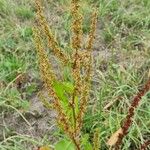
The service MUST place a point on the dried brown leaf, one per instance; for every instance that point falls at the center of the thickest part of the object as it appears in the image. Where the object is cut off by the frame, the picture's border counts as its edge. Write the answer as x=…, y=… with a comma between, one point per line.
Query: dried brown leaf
x=114, y=138
x=44, y=148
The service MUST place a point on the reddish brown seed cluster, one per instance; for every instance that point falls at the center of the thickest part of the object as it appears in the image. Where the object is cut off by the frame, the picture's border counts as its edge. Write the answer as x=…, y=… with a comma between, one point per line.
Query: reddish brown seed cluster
x=145, y=145
x=128, y=121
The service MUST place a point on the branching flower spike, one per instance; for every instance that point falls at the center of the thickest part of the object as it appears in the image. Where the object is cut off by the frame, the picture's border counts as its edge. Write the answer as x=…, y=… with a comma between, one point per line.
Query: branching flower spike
x=52, y=43
x=128, y=120
x=70, y=98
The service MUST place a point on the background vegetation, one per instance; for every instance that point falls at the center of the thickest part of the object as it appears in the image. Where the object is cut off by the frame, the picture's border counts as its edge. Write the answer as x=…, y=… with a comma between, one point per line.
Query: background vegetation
x=121, y=53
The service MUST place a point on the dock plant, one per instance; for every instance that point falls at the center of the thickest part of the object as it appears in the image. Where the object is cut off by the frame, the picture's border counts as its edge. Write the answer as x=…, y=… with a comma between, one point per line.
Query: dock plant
x=69, y=98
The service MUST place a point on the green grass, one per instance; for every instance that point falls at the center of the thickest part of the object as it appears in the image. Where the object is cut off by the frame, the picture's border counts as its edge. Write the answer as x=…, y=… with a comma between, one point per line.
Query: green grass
x=20, y=142
x=118, y=85
x=24, y=13
x=121, y=65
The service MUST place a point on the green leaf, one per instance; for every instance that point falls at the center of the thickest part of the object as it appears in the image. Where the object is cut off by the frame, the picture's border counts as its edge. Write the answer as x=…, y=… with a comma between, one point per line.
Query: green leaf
x=88, y=146
x=64, y=145
x=58, y=87
x=60, y=92
x=63, y=89
x=68, y=87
